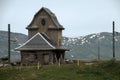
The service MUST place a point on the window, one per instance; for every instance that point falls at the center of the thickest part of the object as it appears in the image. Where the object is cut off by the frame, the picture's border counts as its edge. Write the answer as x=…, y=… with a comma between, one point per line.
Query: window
x=43, y=21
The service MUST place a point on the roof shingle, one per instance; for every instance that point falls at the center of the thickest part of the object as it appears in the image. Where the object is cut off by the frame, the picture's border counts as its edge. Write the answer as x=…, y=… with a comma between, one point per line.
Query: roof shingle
x=37, y=42
x=53, y=17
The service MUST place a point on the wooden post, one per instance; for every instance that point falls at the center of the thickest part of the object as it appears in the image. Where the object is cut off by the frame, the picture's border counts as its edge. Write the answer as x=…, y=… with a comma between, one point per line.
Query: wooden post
x=98, y=50
x=78, y=62
x=9, y=43
x=62, y=58
x=56, y=59
x=59, y=62
x=113, y=40
x=38, y=65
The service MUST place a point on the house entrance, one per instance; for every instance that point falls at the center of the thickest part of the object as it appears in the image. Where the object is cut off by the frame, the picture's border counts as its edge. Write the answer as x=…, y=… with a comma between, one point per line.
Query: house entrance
x=46, y=58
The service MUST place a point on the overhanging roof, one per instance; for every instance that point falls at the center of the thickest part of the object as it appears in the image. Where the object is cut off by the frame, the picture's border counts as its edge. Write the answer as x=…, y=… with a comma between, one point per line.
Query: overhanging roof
x=37, y=42
x=40, y=41
x=51, y=14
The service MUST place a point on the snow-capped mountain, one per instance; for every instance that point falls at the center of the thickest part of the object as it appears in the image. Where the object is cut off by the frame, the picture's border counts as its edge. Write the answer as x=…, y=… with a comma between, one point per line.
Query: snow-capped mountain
x=89, y=46
x=85, y=47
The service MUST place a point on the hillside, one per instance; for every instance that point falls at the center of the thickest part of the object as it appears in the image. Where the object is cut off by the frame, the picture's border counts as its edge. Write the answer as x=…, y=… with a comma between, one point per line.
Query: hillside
x=85, y=47
x=99, y=71
x=16, y=40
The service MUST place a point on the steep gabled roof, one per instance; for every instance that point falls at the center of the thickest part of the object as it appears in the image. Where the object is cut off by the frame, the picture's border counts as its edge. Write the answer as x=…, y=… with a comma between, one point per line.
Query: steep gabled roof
x=38, y=42
x=52, y=15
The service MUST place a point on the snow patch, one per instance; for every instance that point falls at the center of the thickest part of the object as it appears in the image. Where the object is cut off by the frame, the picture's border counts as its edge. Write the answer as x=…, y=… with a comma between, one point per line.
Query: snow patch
x=92, y=36
x=102, y=37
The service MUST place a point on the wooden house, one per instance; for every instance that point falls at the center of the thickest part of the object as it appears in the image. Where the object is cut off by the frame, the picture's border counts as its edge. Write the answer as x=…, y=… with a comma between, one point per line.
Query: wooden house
x=44, y=40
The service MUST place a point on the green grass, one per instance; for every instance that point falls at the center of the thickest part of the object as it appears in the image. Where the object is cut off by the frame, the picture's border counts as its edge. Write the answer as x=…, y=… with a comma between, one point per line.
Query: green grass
x=99, y=71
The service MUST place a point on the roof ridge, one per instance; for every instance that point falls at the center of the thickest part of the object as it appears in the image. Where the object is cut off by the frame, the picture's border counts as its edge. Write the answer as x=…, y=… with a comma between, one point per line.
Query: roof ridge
x=49, y=39
x=40, y=34
x=26, y=41
x=46, y=41
x=52, y=15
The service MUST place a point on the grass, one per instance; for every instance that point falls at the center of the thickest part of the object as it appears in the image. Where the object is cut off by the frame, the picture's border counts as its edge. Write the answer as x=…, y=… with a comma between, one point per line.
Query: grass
x=99, y=71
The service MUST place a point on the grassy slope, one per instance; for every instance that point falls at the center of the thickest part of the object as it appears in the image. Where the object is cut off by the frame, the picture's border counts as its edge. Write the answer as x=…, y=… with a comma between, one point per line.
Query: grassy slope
x=104, y=71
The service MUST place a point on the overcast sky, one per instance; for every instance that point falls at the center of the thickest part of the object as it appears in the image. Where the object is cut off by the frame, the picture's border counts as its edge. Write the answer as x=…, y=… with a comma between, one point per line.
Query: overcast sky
x=79, y=17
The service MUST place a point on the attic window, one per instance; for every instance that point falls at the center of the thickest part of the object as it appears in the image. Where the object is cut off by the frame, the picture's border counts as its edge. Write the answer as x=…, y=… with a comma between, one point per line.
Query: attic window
x=43, y=21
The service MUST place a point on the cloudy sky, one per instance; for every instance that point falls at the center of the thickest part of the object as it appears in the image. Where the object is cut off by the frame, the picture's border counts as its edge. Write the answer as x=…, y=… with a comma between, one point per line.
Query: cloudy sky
x=79, y=17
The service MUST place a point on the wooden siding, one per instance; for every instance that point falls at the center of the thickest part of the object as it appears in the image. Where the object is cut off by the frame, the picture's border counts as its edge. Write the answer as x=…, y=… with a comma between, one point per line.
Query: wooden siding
x=53, y=34
x=53, y=30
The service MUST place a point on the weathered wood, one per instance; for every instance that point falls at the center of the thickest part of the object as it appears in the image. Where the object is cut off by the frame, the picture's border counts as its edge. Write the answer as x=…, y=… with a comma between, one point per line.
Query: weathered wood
x=113, y=40
x=9, y=43
x=45, y=23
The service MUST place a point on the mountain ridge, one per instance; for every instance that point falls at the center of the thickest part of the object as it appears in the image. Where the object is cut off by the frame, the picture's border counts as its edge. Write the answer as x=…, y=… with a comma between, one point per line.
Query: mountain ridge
x=87, y=46
x=83, y=47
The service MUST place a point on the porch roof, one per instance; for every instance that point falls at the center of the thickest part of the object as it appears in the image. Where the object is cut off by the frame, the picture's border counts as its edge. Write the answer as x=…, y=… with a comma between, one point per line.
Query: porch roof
x=40, y=41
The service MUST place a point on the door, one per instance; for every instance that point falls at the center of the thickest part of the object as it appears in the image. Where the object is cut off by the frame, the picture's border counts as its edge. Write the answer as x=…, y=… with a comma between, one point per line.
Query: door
x=46, y=58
